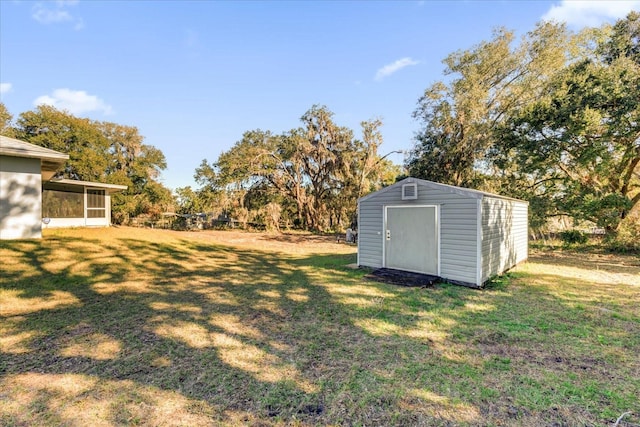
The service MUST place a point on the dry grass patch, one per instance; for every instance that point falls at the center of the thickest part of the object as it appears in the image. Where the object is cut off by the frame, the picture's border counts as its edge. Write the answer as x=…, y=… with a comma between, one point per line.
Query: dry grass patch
x=151, y=327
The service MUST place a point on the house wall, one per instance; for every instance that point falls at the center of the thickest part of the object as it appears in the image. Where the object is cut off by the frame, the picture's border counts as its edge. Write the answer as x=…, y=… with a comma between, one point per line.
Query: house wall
x=504, y=235
x=77, y=222
x=20, y=198
x=458, y=229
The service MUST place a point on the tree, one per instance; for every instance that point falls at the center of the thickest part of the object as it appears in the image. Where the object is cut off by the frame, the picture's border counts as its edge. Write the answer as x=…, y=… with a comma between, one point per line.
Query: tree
x=314, y=172
x=102, y=151
x=553, y=120
x=325, y=149
x=624, y=41
x=5, y=121
x=80, y=138
x=492, y=80
x=584, y=133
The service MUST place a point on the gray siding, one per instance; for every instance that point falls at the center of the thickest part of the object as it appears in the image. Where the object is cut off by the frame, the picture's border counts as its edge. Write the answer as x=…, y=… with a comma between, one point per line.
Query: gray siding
x=504, y=235
x=458, y=229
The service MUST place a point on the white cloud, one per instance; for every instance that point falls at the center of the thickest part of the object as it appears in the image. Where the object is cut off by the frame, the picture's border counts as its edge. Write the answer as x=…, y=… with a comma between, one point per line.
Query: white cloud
x=56, y=13
x=74, y=101
x=5, y=87
x=394, y=67
x=590, y=13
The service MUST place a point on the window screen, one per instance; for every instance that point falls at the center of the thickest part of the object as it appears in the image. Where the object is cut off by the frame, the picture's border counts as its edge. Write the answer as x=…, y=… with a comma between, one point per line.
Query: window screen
x=96, y=204
x=63, y=203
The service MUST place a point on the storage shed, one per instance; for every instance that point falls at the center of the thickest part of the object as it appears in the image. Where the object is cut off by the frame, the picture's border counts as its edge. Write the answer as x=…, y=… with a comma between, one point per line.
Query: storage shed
x=461, y=235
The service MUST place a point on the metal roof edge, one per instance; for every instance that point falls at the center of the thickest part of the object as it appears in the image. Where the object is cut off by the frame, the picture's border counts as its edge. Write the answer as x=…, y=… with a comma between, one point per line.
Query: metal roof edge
x=382, y=190
x=469, y=192
x=88, y=184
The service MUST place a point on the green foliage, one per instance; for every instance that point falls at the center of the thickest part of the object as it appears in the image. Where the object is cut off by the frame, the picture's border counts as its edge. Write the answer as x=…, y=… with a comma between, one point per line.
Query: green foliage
x=189, y=201
x=573, y=237
x=5, y=121
x=585, y=133
x=627, y=237
x=554, y=120
x=490, y=81
x=315, y=173
x=625, y=40
x=103, y=152
x=80, y=138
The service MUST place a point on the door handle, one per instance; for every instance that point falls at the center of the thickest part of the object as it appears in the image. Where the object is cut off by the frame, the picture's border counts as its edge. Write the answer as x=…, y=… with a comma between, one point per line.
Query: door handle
x=388, y=234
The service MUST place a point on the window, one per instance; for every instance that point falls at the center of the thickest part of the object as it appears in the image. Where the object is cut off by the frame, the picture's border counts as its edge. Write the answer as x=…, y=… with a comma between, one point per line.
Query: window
x=96, y=204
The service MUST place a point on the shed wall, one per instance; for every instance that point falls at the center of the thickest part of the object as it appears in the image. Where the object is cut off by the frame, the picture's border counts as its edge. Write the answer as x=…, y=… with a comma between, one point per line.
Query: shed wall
x=521, y=230
x=20, y=198
x=458, y=229
x=504, y=235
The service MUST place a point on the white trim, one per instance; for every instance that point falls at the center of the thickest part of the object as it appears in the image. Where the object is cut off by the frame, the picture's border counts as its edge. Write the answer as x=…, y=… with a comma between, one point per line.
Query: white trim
x=479, y=257
x=384, y=233
x=358, y=234
x=527, y=253
x=91, y=221
x=438, y=236
x=384, y=236
x=89, y=184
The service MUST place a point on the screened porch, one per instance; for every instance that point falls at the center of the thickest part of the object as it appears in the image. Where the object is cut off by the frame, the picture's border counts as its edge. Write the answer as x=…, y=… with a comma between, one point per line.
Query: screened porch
x=69, y=203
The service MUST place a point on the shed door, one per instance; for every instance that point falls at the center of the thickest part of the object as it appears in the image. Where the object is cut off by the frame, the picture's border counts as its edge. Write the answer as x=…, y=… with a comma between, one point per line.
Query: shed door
x=411, y=238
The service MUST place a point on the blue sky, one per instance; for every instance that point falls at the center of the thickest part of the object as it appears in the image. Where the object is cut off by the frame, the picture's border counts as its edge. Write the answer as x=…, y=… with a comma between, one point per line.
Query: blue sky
x=193, y=76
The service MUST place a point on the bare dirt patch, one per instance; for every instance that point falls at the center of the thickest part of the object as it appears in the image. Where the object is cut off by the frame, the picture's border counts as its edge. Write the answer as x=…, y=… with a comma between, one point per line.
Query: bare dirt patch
x=303, y=243
x=609, y=262
x=605, y=268
x=286, y=242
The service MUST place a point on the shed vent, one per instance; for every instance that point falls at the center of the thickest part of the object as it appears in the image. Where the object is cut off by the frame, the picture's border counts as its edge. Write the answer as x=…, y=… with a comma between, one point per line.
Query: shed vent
x=410, y=191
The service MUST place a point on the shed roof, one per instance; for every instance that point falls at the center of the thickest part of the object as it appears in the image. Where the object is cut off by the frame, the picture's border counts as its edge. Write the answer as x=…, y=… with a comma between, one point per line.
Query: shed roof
x=466, y=192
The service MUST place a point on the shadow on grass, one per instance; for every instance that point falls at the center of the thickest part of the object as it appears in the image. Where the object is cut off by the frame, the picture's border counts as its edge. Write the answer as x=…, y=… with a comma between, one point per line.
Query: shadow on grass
x=127, y=331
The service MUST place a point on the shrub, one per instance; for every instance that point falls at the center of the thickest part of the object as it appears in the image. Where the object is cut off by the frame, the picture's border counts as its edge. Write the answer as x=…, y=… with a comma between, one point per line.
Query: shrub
x=572, y=237
x=627, y=239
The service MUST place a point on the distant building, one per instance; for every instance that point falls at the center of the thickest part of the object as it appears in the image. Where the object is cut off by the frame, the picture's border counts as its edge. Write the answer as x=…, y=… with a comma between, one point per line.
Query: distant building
x=30, y=199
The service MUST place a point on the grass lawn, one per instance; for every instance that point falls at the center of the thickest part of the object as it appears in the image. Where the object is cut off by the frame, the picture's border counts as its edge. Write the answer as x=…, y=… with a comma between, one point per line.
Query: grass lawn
x=127, y=326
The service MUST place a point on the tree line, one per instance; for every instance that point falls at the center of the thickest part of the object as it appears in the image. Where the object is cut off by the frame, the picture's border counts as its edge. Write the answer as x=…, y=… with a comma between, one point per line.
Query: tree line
x=309, y=177
x=551, y=117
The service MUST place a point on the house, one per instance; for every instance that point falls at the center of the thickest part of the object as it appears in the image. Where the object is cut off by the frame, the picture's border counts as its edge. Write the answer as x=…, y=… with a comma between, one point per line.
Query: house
x=461, y=235
x=30, y=199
